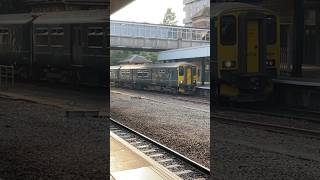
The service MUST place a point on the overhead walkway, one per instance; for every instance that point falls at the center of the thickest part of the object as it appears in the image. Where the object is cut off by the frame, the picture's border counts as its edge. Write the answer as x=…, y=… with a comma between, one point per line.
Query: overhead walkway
x=155, y=37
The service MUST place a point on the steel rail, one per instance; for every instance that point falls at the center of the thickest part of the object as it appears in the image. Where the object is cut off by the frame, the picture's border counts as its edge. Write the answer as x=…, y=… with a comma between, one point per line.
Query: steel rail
x=188, y=161
x=269, y=126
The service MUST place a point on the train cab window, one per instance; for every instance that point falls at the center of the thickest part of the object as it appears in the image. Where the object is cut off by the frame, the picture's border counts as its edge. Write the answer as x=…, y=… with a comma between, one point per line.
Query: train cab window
x=228, y=30
x=95, y=37
x=181, y=71
x=194, y=71
x=271, y=30
x=57, y=37
x=162, y=71
x=42, y=37
x=4, y=36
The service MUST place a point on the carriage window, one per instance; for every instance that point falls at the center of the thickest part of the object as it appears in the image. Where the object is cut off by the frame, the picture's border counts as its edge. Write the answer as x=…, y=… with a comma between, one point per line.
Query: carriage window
x=271, y=30
x=4, y=36
x=42, y=37
x=181, y=71
x=228, y=30
x=139, y=73
x=146, y=73
x=95, y=37
x=57, y=36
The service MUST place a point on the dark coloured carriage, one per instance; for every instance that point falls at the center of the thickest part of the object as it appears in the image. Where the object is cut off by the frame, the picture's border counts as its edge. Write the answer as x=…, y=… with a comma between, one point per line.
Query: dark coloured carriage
x=65, y=46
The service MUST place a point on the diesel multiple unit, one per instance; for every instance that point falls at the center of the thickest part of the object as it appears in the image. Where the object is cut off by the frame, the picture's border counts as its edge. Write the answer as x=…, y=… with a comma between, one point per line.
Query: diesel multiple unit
x=245, y=51
x=66, y=46
x=178, y=77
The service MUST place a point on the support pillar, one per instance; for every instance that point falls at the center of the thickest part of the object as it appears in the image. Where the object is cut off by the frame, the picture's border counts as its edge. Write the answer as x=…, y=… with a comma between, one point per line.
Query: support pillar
x=203, y=71
x=298, y=38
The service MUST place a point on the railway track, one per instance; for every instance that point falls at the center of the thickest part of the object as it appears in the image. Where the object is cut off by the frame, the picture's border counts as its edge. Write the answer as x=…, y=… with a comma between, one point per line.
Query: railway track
x=170, y=159
x=266, y=126
x=288, y=113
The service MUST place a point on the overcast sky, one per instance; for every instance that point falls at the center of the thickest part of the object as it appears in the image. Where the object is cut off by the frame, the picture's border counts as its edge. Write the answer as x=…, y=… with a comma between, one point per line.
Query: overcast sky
x=150, y=11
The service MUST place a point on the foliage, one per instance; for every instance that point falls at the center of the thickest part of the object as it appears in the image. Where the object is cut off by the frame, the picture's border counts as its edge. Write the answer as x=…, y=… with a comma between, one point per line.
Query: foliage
x=120, y=55
x=169, y=18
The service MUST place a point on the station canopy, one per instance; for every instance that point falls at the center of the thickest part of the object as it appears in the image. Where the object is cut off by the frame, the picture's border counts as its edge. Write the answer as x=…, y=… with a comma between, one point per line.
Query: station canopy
x=185, y=53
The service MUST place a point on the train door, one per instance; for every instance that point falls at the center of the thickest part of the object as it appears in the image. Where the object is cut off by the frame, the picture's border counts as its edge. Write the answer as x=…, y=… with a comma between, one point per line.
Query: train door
x=252, y=43
x=77, y=45
x=188, y=75
x=253, y=46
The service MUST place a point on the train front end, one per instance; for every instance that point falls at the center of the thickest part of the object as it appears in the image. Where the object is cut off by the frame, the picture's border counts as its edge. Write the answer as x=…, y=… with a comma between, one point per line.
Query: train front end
x=187, y=79
x=246, y=52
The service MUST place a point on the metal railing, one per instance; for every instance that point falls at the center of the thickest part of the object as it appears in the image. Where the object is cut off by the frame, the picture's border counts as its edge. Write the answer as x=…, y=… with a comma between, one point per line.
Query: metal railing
x=285, y=64
x=6, y=77
x=144, y=30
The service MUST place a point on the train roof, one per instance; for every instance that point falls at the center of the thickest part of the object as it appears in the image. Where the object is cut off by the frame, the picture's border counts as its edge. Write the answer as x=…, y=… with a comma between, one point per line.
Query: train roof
x=220, y=8
x=148, y=66
x=15, y=18
x=115, y=67
x=73, y=17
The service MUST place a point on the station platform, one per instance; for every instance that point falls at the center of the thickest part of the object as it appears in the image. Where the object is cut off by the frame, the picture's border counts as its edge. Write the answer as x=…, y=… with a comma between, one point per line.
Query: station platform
x=300, y=92
x=203, y=90
x=127, y=162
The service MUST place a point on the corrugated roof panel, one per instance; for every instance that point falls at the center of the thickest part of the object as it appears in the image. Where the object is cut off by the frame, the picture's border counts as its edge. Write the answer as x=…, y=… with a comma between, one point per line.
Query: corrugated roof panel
x=72, y=17
x=185, y=53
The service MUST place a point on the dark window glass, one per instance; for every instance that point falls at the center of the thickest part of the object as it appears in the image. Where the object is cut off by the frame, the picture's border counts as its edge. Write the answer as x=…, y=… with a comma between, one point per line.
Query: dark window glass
x=181, y=71
x=42, y=37
x=194, y=71
x=4, y=36
x=57, y=36
x=271, y=30
x=95, y=37
x=228, y=30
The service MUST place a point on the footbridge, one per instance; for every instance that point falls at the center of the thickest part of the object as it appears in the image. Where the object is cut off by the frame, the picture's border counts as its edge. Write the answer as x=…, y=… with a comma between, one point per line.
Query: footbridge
x=155, y=37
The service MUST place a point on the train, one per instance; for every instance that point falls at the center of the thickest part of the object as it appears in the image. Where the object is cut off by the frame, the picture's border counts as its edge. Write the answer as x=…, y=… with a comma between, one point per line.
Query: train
x=245, y=51
x=69, y=46
x=179, y=77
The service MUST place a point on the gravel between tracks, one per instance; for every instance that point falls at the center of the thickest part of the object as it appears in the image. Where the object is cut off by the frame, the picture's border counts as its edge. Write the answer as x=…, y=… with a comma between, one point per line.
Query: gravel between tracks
x=185, y=130
x=249, y=153
x=39, y=142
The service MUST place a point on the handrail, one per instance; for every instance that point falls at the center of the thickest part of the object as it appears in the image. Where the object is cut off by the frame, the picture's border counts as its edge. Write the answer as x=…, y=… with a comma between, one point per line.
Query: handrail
x=144, y=30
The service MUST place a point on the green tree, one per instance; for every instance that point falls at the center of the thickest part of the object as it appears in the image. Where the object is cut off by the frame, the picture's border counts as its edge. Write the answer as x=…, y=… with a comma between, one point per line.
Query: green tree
x=169, y=18
x=120, y=55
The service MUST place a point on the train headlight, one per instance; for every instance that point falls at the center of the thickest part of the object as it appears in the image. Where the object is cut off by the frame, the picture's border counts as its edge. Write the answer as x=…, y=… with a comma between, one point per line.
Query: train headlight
x=181, y=82
x=271, y=62
x=229, y=64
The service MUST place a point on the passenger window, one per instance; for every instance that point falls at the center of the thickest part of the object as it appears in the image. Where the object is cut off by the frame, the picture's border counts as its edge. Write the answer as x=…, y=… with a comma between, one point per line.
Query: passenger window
x=271, y=30
x=4, y=36
x=181, y=71
x=42, y=37
x=57, y=36
x=95, y=37
x=146, y=73
x=228, y=30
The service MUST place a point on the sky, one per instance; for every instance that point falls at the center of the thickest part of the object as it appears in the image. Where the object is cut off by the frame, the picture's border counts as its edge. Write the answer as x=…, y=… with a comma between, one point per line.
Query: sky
x=150, y=11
